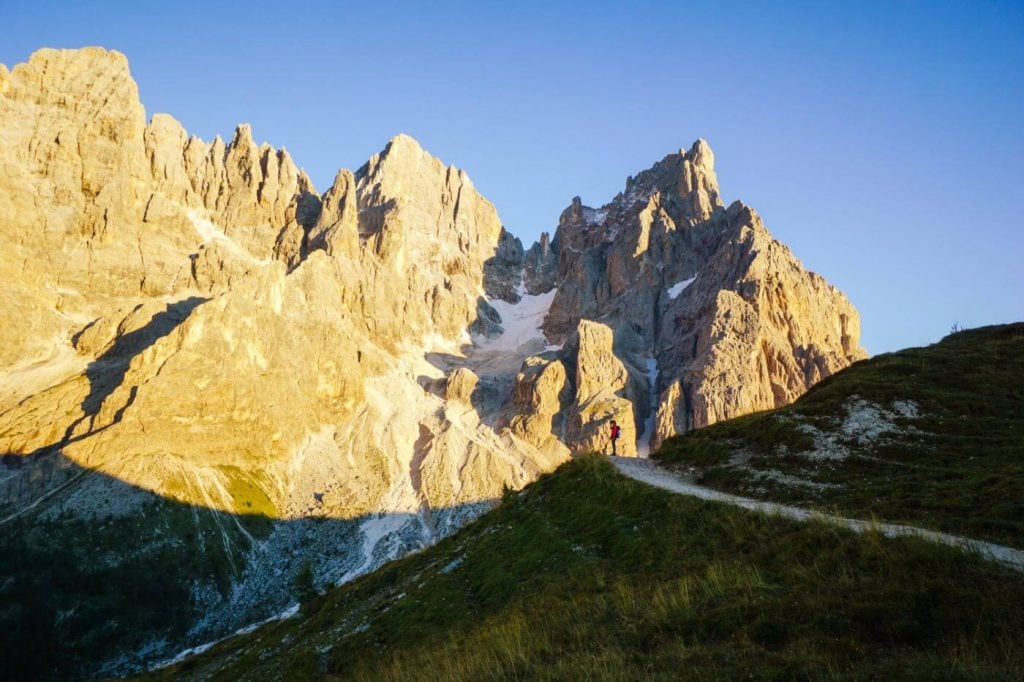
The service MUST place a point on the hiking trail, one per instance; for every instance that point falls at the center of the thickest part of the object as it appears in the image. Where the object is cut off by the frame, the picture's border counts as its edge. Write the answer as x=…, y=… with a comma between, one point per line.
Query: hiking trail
x=647, y=471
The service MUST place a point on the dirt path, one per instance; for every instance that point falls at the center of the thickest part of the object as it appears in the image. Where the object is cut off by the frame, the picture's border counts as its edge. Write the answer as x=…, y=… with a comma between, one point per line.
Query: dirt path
x=646, y=471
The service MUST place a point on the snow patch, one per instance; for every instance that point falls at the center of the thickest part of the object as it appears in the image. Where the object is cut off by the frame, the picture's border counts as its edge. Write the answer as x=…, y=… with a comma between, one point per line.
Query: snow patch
x=678, y=287
x=594, y=216
x=521, y=321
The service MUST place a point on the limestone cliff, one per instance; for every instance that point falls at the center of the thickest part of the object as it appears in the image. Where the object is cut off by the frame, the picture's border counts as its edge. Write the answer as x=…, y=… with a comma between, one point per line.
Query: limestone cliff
x=192, y=331
x=194, y=320
x=714, y=316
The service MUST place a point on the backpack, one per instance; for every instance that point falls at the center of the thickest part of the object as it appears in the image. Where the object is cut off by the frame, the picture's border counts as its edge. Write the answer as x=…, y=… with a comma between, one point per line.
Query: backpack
x=615, y=432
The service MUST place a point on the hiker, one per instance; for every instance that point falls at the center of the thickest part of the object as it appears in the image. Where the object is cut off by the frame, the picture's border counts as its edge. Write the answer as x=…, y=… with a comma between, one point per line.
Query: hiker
x=615, y=435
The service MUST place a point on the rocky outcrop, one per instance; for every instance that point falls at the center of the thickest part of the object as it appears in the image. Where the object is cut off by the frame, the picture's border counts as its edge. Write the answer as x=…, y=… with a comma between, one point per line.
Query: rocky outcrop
x=604, y=393
x=503, y=273
x=99, y=209
x=193, y=323
x=540, y=400
x=336, y=229
x=461, y=384
x=618, y=257
x=253, y=192
x=426, y=237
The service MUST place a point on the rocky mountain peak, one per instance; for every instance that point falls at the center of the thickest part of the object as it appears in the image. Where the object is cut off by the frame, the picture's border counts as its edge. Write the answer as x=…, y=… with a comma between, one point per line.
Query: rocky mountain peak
x=242, y=139
x=402, y=144
x=85, y=60
x=403, y=156
x=687, y=284
x=686, y=179
x=701, y=154
x=52, y=75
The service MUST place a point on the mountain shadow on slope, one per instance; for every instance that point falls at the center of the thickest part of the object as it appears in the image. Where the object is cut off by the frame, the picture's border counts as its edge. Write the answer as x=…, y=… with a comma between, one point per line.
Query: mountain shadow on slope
x=104, y=578
x=107, y=371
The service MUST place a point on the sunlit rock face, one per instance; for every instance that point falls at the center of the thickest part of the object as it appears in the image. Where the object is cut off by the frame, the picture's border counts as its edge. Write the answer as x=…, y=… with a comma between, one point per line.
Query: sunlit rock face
x=338, y=378
x=714, y=317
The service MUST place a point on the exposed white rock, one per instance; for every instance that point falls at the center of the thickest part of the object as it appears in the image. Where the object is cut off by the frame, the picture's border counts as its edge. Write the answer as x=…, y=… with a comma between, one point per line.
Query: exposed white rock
x=865, y=422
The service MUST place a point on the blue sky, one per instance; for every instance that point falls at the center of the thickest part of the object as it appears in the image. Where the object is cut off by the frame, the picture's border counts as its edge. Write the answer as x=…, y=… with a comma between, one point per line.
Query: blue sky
x=883, y=142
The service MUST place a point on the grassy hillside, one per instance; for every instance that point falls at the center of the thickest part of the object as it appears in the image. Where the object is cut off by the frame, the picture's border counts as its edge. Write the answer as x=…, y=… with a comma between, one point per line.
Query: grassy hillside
x=929, y=436
x=589, y=575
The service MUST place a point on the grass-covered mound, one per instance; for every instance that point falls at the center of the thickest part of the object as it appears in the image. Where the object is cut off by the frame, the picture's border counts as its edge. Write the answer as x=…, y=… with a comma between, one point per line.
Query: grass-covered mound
x=929, y=436
x=590, y=575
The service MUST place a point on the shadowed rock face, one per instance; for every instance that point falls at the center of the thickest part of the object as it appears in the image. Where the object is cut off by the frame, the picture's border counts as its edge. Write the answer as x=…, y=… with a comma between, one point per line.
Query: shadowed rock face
x=197, y=322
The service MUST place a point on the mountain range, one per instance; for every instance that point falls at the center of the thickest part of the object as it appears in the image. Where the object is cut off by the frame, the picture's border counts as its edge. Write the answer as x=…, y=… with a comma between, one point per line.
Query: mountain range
x=215, y=379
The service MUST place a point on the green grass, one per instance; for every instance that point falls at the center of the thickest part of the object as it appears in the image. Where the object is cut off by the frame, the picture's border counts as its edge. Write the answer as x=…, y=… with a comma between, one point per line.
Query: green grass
x=589, y=575
x=959, y=467
x=248, y=491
